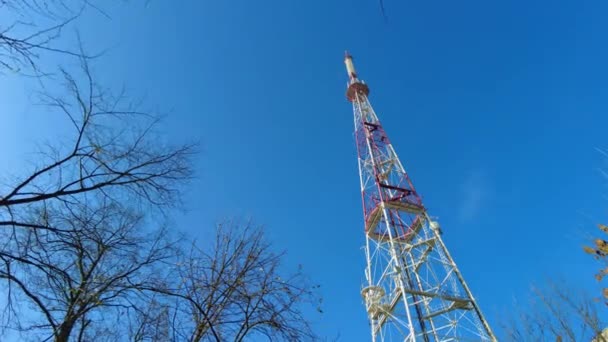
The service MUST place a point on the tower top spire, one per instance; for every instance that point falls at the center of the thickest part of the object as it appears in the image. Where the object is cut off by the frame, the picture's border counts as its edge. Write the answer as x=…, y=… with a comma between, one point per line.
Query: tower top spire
x=350, y=66
x=355, y=86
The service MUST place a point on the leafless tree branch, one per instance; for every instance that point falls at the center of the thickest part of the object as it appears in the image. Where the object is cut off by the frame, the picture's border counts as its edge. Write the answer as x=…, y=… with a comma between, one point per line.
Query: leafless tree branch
x=112, y=151
x=99, y=263
x=556, y=313
x=236, y=289
x=37, y=28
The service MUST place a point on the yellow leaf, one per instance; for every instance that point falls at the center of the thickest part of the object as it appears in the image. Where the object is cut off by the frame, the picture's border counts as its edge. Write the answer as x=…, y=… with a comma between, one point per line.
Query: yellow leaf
x=605, y=292
x=589, y=250
x=603, y=227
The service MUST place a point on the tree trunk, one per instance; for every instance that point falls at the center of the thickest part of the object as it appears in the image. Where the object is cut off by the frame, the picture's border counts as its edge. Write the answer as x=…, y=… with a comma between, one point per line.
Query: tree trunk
x=64, y=331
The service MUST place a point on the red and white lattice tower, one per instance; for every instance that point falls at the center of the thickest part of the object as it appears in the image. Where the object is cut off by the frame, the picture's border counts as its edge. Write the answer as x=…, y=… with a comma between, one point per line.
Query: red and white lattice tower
x=413, y=289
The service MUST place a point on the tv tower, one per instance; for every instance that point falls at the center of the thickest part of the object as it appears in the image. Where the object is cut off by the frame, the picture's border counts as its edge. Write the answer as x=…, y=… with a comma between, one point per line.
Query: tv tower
x=413, y=290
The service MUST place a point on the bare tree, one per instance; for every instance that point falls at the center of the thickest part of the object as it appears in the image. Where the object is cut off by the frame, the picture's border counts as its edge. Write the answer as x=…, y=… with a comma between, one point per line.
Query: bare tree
x=64, y=225
x=236, y=289
x=75, y=247
x=555, y=313
x=112, y=151
x=79, y=279
x=34, y=27
x=79, y=261
x=153, y=321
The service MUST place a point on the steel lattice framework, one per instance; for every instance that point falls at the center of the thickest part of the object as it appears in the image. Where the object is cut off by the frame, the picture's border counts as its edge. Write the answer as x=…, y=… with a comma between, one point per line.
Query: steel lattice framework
x=413, y=289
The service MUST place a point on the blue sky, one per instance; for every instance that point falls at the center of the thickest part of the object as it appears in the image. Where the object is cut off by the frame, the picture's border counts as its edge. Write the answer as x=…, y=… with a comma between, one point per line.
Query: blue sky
x=496, y=110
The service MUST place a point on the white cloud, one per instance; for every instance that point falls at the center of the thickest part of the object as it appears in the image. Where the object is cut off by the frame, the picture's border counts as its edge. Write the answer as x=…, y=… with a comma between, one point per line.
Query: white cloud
x=475, y=191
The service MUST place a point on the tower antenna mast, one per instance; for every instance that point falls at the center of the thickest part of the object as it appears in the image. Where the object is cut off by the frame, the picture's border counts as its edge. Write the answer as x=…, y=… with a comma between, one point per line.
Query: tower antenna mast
x=413, y=290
